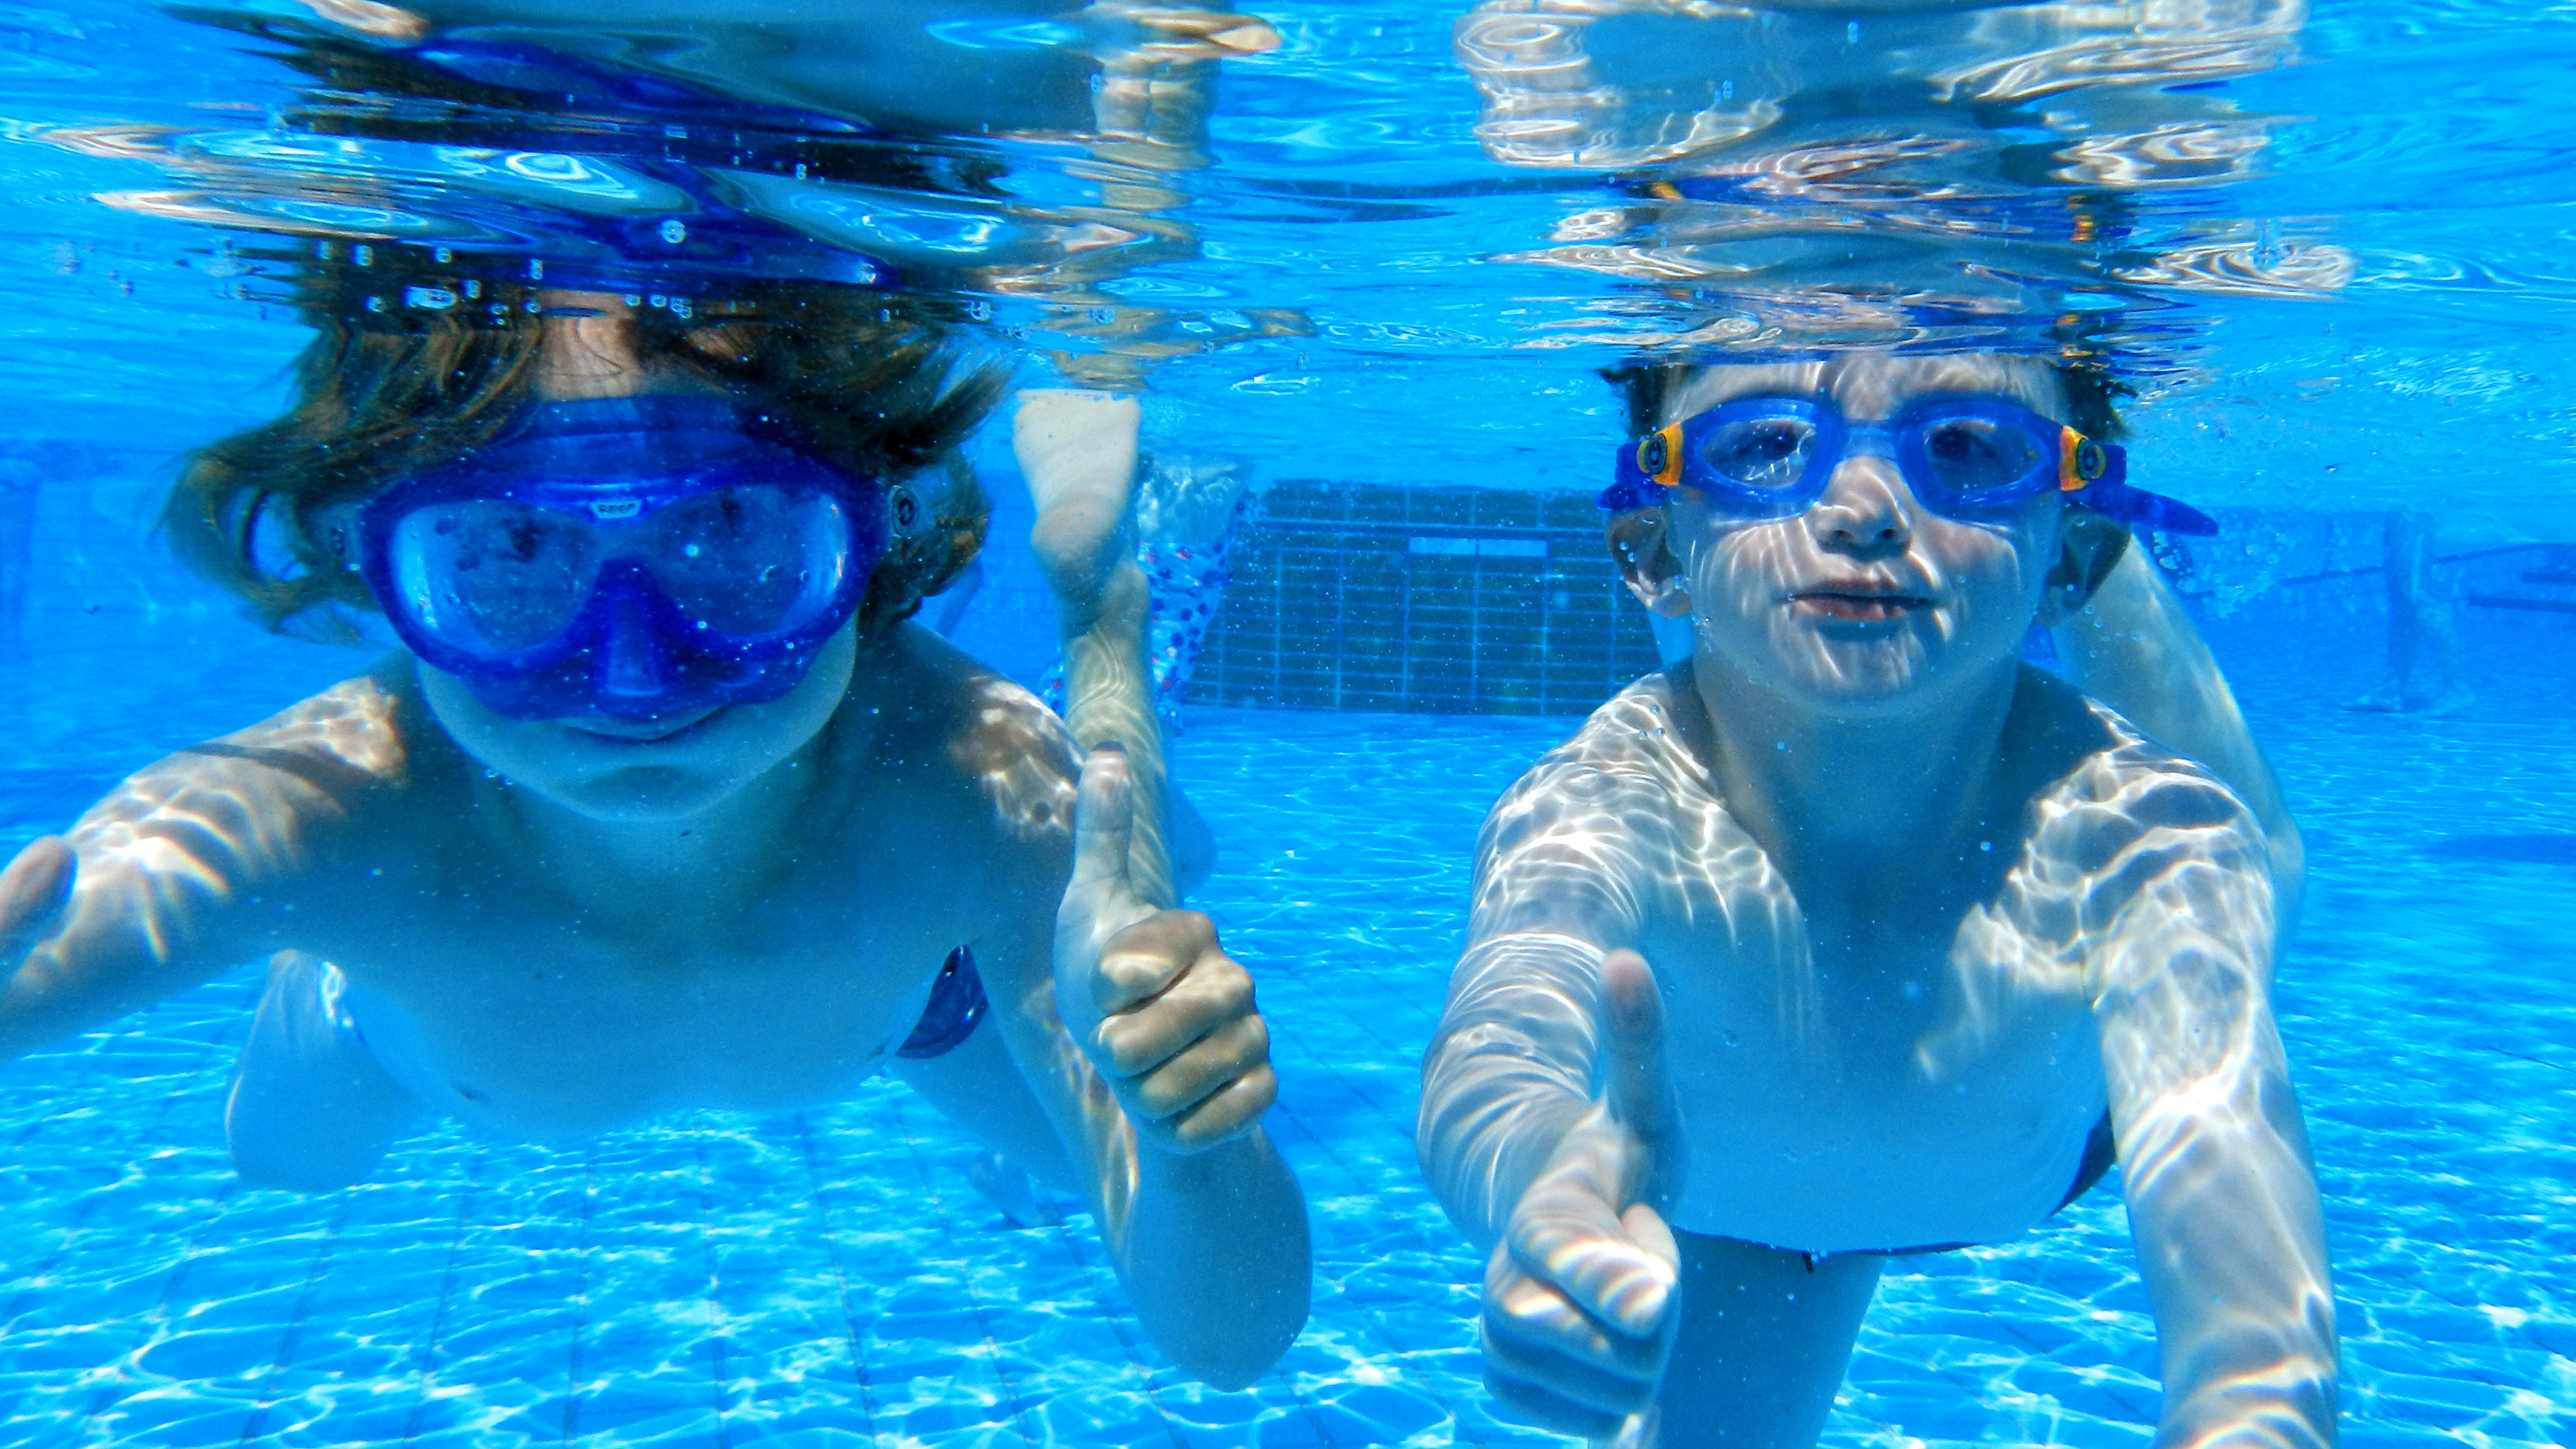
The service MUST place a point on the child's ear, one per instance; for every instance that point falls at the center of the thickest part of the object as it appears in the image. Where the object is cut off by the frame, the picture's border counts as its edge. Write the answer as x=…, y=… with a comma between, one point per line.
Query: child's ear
x=2089, y=546
x=1641, y=545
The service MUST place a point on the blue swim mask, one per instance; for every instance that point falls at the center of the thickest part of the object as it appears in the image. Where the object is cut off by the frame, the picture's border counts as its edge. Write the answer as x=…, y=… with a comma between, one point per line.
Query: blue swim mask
x=1968, y=458
x=631, y=557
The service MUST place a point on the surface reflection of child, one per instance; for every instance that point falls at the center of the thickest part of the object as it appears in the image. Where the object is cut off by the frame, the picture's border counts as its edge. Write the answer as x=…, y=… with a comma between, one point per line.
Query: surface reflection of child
x=667, y=804
x=1931, y=936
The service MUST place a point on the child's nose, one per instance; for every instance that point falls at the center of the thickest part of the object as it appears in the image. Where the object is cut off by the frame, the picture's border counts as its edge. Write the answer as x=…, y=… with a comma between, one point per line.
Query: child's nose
x=633, y=669
x=1865, y=508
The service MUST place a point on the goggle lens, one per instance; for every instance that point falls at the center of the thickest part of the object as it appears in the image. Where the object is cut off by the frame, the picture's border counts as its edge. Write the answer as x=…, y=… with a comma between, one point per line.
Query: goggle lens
x=1768, y=454
x=1971, y=456
x=751, y=561
x=494, y=577
x=491, y=576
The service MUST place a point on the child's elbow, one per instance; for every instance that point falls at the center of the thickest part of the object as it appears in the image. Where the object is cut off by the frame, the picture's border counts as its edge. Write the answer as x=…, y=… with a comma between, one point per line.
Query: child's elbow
x=1235, y=1360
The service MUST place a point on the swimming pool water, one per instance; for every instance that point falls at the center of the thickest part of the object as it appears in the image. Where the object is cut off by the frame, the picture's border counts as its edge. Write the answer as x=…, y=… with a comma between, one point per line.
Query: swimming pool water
x=829, y=1277
x=2371, y=311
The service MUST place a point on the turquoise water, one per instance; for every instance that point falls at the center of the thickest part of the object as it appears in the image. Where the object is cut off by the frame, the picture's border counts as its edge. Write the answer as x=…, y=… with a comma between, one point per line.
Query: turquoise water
x=829, y=1276
x=2365, y=303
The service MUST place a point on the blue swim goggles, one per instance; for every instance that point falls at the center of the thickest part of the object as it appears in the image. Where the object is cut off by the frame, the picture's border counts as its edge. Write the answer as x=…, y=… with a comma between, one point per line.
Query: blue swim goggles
x=1963, y=457
x=629, y=557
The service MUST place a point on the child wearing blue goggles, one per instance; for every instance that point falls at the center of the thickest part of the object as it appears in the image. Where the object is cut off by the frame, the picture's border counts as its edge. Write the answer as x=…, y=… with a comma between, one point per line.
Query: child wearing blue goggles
x=1850, y=934
x=665, y=804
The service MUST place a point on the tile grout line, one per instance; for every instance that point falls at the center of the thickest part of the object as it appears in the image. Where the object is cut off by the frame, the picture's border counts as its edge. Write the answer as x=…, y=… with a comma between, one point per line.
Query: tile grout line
x=162, y=1102
x=437, y=1336
x=581, y=1295
x=821, y=1198
x=1066, y=1239
x=254, y=1423
x=974, y=1302
x=169, y=1292
x=715, y=1339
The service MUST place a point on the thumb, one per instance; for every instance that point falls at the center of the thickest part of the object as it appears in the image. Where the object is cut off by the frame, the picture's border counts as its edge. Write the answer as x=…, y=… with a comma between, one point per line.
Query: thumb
x=33, y=891
x=1639, y=1094
x=1104, y=822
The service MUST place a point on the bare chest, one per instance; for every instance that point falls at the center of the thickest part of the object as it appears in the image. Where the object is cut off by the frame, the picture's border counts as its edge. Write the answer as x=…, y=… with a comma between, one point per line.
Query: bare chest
x=491, y=1001
x=1863, y=1083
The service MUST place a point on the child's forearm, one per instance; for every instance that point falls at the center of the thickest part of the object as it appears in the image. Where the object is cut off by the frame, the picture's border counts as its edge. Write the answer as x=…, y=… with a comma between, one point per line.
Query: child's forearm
x=1508, y=1075
x=2233, y=1243
x=1109, y=698
x=1215, y=1254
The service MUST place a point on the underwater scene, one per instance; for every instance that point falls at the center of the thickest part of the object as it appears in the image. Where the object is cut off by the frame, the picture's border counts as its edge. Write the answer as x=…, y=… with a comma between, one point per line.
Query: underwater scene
x=1506, y=723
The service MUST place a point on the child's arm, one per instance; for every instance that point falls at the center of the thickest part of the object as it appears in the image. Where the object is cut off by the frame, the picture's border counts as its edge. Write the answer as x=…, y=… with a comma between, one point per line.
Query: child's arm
x=2134, y=648
x=1557, y=1177
x=161, y=885
x=2214, y=1156
x=1145, y=1048
x=1078, y=452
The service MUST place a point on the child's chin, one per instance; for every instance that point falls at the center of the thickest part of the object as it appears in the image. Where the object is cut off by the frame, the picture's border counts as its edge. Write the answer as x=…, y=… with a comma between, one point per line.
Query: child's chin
x=1879, y=676
x=640, y=794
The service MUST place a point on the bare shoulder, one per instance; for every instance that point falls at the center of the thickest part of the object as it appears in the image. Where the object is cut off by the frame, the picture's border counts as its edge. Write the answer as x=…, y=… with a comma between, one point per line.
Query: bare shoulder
x=2149, y=853
x=321, y=753
x=1582, y=840
x=2118, y=787
x=1003, y=758
x=1632, y=752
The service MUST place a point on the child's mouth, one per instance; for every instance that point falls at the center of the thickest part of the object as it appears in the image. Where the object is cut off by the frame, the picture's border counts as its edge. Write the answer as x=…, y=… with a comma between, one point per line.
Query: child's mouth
x=641, y=732
x=1862, y=607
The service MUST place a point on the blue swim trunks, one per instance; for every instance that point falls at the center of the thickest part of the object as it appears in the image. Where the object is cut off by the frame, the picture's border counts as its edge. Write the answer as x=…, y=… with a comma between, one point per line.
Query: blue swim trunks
x=957, y=1002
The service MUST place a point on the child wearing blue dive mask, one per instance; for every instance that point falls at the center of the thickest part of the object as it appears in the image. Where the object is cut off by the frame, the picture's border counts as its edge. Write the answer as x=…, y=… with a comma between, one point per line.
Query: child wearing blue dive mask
x=665, y=803
x=1853, y=936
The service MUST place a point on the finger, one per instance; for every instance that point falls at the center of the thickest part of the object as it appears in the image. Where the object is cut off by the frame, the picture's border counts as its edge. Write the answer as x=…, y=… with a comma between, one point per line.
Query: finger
x=1582, y=1248
x=1143, y=961
x=1142, y=1036
x=1542, y=1408
x=1232, y=1112
x=1532, y=1319
x=33, y=892
x=1569, y=1380
x=1104, y=820
x=1638, y=1089
x=1198, y=1073
x=1535, y=1337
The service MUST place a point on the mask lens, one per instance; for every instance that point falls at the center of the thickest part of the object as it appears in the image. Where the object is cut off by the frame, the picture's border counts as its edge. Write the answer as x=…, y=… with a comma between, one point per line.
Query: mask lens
x=1971, y=456
x=753, y=560
x=492, y=576
x=1766, y=453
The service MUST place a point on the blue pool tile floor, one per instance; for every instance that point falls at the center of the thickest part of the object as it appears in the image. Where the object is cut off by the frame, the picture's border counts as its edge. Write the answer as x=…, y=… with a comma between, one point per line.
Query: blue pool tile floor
x=829, y=1278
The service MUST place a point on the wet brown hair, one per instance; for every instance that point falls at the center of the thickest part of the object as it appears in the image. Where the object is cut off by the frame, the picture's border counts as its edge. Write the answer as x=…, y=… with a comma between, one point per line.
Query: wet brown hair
x=871, y=382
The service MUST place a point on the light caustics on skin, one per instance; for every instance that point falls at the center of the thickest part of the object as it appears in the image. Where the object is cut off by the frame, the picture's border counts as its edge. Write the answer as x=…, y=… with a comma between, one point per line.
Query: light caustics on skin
x=2103, y=944
x=2137, y=913
x=173, y=847
x=1021, y=760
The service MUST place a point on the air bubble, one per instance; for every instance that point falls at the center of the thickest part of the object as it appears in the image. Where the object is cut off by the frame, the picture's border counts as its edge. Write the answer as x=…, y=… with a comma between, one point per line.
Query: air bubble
x=675, y=231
